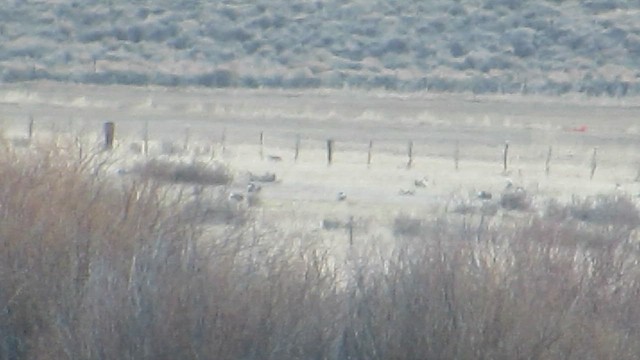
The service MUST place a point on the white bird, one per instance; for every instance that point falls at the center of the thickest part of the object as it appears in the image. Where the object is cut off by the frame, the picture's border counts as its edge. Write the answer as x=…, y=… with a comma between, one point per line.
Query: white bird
x=406, y=192
x=421, y=182
x=252, y=187
x=509, y=184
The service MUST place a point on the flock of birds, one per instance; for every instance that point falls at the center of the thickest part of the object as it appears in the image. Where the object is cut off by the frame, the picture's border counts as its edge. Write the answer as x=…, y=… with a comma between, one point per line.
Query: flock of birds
x=423, y=183
x=253, y=187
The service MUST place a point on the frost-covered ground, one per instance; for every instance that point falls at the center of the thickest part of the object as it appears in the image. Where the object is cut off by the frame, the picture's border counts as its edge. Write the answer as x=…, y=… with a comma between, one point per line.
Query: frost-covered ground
x=200, y=119
x=479, y=46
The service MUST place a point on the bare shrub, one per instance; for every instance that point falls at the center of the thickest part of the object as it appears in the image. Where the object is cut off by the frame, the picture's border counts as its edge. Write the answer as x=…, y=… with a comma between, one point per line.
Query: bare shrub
x=266, y=177
x=483, y=206
x=333, y=224
x=516, y=199
x=182, y=172
x=465, y=208
x=609, y=210
x=407, y=225
x=604, y=220
x=170, y=148
x=489, y=208
x=136, y=148
x=125, y=272
x=522, y=295
x=606, y=210
x=254, y=199
x=89, y=270
x=58, y=223
x=216, y=209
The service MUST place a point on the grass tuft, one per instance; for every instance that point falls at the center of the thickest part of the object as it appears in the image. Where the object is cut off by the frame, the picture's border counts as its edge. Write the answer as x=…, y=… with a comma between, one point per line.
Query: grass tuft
x=181, y=172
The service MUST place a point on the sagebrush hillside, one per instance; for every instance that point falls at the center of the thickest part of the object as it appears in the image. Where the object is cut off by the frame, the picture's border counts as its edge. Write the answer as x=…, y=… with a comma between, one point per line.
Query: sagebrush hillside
x=481, y=46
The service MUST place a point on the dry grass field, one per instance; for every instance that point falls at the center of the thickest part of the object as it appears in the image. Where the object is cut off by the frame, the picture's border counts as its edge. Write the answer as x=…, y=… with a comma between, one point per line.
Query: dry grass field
x=125, y=255
x=191, y=123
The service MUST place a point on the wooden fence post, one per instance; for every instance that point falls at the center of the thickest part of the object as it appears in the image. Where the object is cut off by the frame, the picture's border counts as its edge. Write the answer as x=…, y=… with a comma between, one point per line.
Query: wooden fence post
x=31, y=126
x=456, y=155
x=329, y=151
x=79, y=146
x=109, y=134
x=145, y=138
x=547, y=163
x=261, y=145
x=410, y=154
x=369, y=153
x=505, y=159
x=223, y=140
x=187, y=136
x=350, y=225
x=297, y=150
x=594, y=162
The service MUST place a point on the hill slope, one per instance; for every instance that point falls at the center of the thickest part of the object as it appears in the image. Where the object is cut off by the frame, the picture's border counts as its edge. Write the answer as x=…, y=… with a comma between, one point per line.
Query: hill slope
x=549, y=47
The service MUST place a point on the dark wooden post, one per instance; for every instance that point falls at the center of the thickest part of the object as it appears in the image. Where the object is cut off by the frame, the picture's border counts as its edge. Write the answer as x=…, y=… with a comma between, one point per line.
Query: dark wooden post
x=594, y=162
x=350, y=231
x=505, y=159
x=145, y=138
x=261, y=145
x=410, y=154
x=297, y=150
x=223, y=140
x=456, y=156
x=79, y=146
x=369, y=153
x=109, y=134
x=187, y=136
x=547, y=163
x=31, y=126
x=329, y=151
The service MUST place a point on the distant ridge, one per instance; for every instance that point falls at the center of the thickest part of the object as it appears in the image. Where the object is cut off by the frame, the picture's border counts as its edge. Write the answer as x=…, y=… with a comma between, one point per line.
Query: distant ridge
x=492, y=46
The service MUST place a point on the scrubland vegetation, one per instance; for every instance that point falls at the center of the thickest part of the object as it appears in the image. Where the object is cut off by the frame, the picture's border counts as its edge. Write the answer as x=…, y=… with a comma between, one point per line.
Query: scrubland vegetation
x=159, y=260
x=98, y=265
x=489, y=46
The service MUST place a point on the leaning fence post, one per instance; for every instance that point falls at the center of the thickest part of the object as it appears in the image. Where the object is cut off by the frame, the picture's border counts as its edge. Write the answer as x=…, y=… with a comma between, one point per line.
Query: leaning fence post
x=410, y=154
x=109, y=134
x=329, y=151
